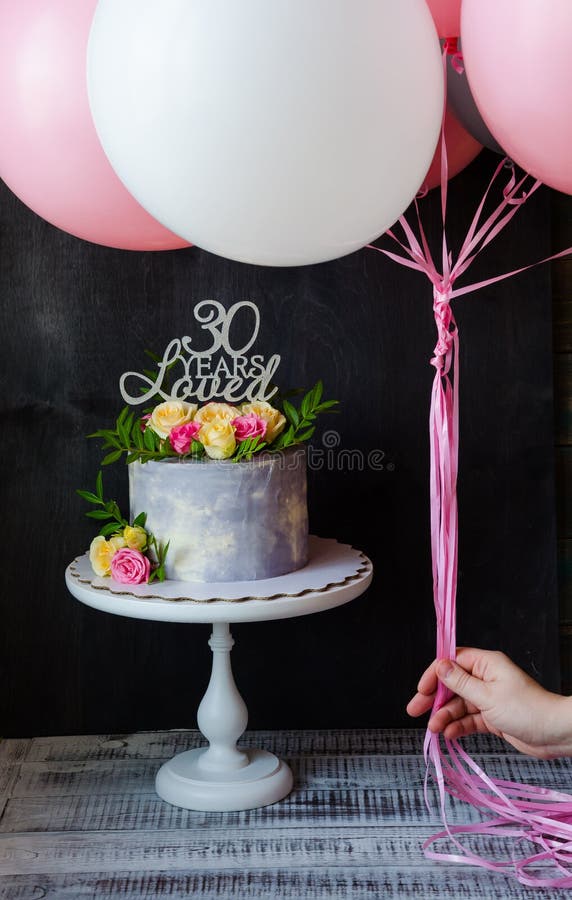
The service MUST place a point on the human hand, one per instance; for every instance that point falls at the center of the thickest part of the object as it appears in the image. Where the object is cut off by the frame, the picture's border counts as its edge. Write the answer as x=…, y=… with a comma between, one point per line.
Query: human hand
x=493, y=695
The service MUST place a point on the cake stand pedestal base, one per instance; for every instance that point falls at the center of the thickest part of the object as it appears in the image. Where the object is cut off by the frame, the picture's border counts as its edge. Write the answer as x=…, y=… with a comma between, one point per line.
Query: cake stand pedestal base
x=264, y=780
x=221, y=777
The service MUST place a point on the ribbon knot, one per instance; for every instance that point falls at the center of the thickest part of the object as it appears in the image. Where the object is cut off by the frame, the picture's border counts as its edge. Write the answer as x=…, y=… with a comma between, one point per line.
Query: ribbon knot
x=451, y=48
x=446, y=329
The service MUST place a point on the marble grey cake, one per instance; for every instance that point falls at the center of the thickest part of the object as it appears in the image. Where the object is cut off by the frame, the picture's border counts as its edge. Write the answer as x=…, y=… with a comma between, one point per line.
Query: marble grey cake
x=226, y=521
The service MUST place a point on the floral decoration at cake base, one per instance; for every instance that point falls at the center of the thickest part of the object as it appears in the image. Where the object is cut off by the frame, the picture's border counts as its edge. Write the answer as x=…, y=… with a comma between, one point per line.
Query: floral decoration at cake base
x=330, y=565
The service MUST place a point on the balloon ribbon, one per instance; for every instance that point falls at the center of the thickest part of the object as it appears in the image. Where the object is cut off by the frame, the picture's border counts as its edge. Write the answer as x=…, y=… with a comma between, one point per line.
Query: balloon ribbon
x=518, y=812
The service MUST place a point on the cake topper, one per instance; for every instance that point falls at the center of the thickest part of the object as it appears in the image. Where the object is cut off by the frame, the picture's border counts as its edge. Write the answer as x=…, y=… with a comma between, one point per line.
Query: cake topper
x=217, y=371
x=208, y=398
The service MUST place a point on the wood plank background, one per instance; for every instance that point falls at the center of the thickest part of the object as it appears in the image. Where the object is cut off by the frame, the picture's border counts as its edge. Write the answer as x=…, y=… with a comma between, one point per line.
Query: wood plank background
x=562, y=312
x=75, y=316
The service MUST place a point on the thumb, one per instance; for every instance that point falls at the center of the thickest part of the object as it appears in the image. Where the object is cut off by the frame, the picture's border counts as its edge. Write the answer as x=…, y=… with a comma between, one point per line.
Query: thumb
x=460, y=682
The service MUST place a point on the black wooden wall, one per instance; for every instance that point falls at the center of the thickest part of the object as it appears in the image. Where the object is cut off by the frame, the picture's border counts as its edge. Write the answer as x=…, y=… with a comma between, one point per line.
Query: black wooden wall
x=74, y=316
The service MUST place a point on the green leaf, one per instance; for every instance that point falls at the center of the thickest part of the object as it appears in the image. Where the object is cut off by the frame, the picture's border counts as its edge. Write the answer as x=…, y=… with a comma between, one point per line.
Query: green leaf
x=129, y=426
x=285, y=439
x=306, y=405
x=165, y=450
x=115, y=511
x=137, y=435
x=99, y=485
x=91, y=498
x=152, y=356
x=158, y=572
x=98, y=514
x=111, y=440
x=149, y=439
x=111, y=457
x=306, y=435
x=256, y=447
x=123, y=415
x=291, y=413
x=140, y=520
x=123, y=433
x=328, y=404
x=132, y=457
x=97, y=434
x=109, y=529
x=317, y=392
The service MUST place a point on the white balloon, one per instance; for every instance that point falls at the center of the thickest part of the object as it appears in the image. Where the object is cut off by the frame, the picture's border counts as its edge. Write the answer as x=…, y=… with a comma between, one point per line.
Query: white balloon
x=277, y=132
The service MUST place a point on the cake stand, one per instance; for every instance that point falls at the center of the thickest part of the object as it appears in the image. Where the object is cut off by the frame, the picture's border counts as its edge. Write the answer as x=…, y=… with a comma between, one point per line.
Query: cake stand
x=221, y=776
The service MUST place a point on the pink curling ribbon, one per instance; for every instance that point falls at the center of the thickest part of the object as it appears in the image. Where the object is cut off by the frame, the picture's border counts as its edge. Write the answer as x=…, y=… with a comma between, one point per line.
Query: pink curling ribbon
x=535, y=821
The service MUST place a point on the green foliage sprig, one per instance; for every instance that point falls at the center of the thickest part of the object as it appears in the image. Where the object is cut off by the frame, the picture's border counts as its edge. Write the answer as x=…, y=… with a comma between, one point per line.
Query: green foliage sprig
x=136, y=443
x=160, y=553
x=115, y=525
x=133, y=440
x=246, y=449
x=109, y=511
x=301, y=419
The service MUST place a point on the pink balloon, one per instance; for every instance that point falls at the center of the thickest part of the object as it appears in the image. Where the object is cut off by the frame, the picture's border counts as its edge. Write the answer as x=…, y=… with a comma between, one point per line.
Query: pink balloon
x=447, y=15
x=462, y=148
x=518, y=59
x=50, y=155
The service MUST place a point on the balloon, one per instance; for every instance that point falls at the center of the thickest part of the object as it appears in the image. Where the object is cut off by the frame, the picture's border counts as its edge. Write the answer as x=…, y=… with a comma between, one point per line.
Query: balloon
x=462, y=149
x=279, y=133
x=520, y=73
x=462, y=103
x=50, y=155
x=447, y=16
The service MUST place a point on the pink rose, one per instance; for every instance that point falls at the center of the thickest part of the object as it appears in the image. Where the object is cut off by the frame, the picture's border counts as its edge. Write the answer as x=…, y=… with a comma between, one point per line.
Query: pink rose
x=144, y=420
x=130, y=567
x=182, y=436
x=249, y=426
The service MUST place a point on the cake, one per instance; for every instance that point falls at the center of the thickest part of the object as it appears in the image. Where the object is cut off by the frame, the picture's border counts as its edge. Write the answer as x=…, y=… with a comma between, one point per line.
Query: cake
x=217, y=493
x=226, y=521
x=216, y=462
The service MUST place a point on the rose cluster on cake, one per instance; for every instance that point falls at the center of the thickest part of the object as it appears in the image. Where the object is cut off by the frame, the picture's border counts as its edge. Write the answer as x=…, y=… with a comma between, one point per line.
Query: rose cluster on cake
x=219, y=428
x=128, y=553
x=123, y=560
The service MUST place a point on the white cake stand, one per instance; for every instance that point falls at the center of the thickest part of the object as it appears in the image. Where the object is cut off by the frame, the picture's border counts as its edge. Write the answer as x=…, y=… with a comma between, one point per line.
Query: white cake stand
x=222, y=776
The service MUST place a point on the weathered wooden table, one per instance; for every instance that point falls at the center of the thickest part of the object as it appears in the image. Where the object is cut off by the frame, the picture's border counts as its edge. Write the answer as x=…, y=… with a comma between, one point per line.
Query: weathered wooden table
x=79, y=818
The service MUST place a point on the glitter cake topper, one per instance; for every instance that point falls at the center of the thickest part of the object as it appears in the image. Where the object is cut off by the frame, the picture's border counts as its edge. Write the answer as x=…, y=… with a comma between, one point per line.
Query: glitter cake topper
x=217, y=372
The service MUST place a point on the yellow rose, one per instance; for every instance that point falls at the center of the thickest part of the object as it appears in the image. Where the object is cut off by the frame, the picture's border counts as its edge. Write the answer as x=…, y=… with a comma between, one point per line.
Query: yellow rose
x=135, y=537
x=218, y=439
x=101, y=552
x=213, y=411
x=274, y=419
x=169, y=415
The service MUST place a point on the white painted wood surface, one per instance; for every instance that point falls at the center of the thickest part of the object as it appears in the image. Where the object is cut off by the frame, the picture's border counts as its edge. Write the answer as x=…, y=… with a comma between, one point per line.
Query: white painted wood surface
x=79, y=819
